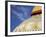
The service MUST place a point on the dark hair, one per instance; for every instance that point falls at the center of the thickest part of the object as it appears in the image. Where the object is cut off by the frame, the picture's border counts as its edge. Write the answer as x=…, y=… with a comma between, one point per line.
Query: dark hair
x=36, y=12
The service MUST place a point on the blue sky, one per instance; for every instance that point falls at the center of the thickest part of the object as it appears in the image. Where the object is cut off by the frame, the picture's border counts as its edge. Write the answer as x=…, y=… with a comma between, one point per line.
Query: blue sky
x=19, y=13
